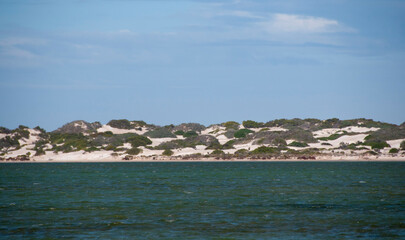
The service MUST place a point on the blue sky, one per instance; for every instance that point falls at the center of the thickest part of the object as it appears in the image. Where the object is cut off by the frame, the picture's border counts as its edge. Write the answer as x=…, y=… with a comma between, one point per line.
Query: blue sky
x=207, y=61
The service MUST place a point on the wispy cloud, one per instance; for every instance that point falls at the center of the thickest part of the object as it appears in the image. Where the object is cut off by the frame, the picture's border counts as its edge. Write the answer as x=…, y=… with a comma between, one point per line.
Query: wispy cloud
x=301, y=24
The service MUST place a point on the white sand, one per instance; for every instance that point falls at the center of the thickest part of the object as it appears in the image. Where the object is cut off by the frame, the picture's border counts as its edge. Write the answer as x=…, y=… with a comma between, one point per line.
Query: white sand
x=329, y=131
x=269, y=129
x=214, y=130
x=158, y=141
x=348, y=139
x=106, y=128
x=395, y=143
x=76, y=156
x=222, y=139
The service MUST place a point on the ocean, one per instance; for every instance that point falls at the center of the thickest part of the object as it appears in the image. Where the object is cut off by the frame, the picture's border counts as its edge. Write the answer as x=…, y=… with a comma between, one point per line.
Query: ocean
x=203, y=200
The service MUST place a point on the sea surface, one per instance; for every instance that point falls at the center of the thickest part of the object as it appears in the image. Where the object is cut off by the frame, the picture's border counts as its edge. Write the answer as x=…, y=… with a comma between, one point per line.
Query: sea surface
x=216, y=200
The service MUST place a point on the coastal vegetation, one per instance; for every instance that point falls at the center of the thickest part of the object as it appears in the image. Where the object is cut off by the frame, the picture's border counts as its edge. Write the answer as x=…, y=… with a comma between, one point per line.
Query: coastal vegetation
x=161, y=132
x=280, y=138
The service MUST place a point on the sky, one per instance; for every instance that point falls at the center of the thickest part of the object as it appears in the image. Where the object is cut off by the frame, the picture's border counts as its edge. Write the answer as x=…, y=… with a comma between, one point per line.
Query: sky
x=174, y=61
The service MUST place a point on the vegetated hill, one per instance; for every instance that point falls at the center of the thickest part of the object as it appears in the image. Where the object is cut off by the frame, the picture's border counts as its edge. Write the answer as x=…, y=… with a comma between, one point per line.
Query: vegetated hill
x=79, y=126
x=390, y=132
x=316, y=124
x=281, y=136
x=126, y=124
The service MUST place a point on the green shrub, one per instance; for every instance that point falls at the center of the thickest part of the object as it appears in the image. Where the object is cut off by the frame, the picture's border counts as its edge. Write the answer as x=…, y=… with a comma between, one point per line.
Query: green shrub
x=376, y=144
x=5, y=130
x=402, y=146
x=22, y=132
x=242, y=133
x=279, y=142
x=228, y=145
x=230, y=133
x=179, y=132
x=252, y=124
x=8, y=141
x=214, y=145
x=167, y=152
x=394, y=150
x=190, y=134
x=161, y=132
x=387, y=133
x=108, y=134
x=110, y=148
x=371, y=153
x=92, y=149
x=185, y=127
x=71, y=142
x=231, y=125
x=265, y=150
x=38, y=128
x=217, y=152
x=333, y=136
x=241, y=152
x=191, y=142
x=298, y=144
x=121, y=149
x=39, y=152
x=121, y=124
x=137, y=141
x=133, y=151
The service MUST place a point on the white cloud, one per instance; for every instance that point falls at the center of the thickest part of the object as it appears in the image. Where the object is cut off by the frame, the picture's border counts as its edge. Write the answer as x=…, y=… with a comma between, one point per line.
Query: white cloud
x=289, y=23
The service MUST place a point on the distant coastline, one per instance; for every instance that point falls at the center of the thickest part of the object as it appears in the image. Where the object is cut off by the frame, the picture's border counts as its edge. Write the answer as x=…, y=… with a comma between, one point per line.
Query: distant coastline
x=276, y=140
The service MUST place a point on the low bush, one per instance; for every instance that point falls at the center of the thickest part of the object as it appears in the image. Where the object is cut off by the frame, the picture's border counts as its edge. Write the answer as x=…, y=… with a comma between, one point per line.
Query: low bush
x=190, y=134
x=133, y=151
x=376, y=144
x=229, y=144
x=191, y=142
x=70, y=142
x=121, y=124
x=179, y=132
x=265, y=150
x=242, y=133
x=185, y=127
x=39, y=152
x=167, y=152
x=110, y=148
x=298, y=144
x=371, y=153
x=214, y=145
x=252, y=124
x=137, y=141
x=231, y=125
x=230, y=133
x=394, y=150
x=92, y=149
x=22, y=132
x=242, y=152
x=333, y=136
x=8, y=142
x=5, y=130
x=161, y=132
x=217, y=152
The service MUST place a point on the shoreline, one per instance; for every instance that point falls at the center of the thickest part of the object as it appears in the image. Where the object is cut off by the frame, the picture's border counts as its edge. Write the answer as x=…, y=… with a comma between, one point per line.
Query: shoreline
x=323, y=159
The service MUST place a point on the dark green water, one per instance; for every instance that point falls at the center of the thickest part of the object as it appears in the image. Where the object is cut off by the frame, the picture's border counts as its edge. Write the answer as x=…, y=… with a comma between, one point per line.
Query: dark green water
x=306, y=200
